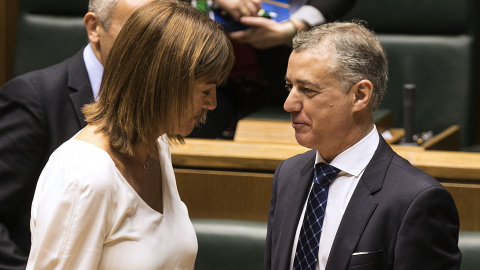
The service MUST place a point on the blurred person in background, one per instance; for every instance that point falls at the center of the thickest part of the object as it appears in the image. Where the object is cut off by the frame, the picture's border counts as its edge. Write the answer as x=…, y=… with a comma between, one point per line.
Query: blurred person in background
x=261, y=57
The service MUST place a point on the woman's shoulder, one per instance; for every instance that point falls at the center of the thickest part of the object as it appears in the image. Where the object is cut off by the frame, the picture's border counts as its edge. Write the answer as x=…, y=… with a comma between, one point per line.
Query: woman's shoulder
x=82, y=164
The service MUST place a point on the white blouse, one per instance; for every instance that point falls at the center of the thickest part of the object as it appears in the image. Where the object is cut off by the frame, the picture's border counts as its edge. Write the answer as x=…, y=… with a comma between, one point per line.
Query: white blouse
x=85, y=215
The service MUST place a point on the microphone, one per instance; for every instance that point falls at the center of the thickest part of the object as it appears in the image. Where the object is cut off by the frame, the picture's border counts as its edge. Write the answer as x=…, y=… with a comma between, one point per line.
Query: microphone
x=409, y=112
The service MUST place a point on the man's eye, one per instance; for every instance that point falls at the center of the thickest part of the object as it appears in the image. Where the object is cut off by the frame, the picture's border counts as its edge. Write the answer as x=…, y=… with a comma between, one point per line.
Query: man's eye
x=288, y=87
x=307, y=90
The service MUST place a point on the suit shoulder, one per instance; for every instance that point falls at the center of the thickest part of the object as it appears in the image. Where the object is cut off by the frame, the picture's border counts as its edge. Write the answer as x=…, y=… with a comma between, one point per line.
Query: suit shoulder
x=43, y=79
x=410, y=173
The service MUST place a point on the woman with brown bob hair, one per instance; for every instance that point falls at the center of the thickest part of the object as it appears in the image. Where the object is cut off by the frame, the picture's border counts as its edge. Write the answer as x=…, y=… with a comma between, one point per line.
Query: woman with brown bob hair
x=107, y=198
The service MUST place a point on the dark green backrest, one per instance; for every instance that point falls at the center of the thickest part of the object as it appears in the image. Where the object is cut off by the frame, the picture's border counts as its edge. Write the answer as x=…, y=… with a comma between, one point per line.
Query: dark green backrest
x=48, y=32
x=469, y=244
x=235, y=244
x=433, y=44
x=229, y=244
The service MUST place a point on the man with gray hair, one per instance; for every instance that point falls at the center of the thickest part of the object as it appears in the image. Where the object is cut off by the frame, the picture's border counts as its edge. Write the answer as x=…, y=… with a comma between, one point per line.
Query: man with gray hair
x=351, y=202
x=39, y=111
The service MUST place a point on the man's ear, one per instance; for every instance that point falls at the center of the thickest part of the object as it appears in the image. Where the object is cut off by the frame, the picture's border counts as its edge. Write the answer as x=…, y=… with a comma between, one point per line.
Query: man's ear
x=363, y=94
x=92, y=24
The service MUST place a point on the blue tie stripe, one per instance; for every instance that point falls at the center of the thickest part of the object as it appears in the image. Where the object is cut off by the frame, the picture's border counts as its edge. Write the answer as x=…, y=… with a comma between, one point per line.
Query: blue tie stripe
x=309, y=238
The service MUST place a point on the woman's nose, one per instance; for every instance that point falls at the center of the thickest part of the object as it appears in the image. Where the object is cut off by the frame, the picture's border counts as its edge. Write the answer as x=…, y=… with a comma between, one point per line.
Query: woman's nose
x=210, y=101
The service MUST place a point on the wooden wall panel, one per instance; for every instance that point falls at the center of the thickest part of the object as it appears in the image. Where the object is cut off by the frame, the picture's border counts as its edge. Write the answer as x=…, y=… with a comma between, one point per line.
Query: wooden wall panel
x=224, y=194
x=467, y=199
x=8, y=25
x=3, y=38
x=246, y=196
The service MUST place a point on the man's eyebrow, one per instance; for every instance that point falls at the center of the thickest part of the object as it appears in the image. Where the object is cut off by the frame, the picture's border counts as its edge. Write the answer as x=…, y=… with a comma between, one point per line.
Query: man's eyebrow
x=305, y=83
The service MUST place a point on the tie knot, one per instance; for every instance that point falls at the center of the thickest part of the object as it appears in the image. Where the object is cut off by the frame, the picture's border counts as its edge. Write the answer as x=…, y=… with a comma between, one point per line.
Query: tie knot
x=324, y=173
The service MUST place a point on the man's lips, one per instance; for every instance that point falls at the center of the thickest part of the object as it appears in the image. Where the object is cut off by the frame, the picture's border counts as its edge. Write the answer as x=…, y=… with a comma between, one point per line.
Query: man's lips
x=295, y=124
x=298, y=123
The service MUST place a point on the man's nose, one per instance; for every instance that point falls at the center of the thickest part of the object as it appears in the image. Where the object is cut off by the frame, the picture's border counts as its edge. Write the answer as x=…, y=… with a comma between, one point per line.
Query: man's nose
x=292, y=103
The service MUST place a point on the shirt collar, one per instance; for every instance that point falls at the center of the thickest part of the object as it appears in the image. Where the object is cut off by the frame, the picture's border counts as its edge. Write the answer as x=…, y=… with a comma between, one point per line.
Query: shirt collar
x=94, y=69
x=356, y=158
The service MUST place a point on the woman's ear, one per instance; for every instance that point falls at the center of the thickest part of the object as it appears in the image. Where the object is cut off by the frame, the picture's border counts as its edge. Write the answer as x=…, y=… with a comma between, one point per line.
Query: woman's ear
x=363, y=94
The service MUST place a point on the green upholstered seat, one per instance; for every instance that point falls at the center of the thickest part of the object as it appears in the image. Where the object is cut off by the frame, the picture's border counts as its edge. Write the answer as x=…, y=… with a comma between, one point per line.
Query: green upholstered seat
x=235, y=244
x=469, y=244
x=433, y=44
x=229, y=244
x=441, y=68
x=48, y=32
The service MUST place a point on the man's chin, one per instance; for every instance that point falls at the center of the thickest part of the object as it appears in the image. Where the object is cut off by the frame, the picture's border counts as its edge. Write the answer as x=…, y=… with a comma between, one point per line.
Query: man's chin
x=303, y=140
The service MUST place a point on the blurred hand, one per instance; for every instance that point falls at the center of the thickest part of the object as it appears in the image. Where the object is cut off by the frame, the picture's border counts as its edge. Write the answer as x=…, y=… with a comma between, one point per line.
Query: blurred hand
x=239, y=8
x=265, y=33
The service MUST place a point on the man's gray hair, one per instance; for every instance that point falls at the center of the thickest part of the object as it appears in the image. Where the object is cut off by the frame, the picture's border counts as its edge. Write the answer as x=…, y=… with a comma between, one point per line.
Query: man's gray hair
x=103, y=9
x=356, y=53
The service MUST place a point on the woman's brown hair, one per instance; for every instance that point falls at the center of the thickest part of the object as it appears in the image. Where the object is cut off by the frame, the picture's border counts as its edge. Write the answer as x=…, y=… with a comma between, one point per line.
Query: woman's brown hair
x=147, y=82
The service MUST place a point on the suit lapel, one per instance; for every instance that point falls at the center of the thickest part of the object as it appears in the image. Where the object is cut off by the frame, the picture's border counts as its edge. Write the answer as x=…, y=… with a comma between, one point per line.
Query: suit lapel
x=79, y=83
x=298, y=188
x=360, y=209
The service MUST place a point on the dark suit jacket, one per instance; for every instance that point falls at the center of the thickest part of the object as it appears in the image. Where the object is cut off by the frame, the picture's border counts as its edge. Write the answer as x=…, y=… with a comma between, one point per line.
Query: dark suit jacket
x=402, y=216
x=38, y=112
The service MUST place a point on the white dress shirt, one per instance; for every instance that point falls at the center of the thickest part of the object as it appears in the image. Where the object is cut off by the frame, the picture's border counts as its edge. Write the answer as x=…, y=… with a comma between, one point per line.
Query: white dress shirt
x=94, y=69
x=310, y=15
x=352, y=163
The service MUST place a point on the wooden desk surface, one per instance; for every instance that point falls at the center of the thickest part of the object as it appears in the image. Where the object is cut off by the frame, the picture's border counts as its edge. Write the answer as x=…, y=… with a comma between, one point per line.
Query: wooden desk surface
x=273, y=125
x=224, y=154
x=282, y=132
x=227, y=155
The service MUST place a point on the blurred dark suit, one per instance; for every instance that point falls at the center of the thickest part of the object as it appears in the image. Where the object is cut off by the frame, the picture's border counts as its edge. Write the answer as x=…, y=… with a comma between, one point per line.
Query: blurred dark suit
x=38, y=112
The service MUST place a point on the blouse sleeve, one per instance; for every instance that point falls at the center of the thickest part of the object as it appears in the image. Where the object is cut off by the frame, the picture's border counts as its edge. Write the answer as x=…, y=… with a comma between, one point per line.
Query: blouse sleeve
x=70, y=218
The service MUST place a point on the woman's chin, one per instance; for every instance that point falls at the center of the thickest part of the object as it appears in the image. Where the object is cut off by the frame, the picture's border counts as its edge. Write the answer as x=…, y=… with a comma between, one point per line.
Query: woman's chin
x=186, y=129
